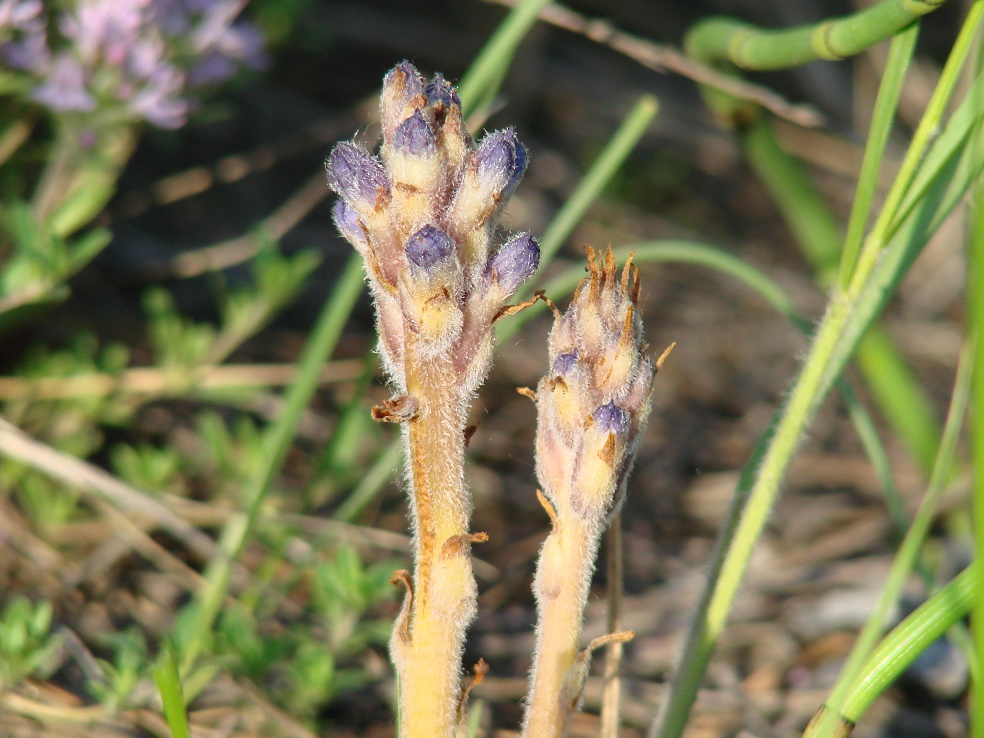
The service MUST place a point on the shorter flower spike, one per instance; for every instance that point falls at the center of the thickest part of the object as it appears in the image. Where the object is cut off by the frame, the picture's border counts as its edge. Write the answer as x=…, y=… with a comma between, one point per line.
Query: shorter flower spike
x=591, y=409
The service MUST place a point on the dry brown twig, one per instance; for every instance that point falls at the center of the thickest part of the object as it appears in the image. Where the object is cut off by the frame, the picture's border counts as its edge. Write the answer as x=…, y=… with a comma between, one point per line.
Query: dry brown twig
x=663, y=58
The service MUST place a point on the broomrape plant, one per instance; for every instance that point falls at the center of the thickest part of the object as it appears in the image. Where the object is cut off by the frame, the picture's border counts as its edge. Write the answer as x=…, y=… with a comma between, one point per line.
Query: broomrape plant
x=423, y=215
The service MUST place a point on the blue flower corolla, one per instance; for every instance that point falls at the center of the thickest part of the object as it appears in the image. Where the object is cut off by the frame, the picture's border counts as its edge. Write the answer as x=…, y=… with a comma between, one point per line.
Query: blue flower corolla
x=415, y=136
x=514, y=263
x=611, y=418
x=356, y=175
x=428, y=247
x=501, y=162
x=440, y=91
x=565, y=362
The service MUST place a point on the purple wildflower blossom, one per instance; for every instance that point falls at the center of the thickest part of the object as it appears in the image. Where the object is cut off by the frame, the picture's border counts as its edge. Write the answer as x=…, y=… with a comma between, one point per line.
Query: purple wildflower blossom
x=64, y=87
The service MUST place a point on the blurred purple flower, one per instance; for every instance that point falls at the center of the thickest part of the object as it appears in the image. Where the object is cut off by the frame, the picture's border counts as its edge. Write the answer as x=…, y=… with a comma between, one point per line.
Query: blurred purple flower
x=18, y=14
x=104, y=30
x=142, y=54
x=22, y=30
x=64, y=87
x=159, y=101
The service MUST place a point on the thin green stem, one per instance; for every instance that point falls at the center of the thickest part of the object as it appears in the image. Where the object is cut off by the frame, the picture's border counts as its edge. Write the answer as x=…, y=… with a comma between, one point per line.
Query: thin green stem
x=277, y=440
x=894, y=210
x=753, y=48
x=482, y=79
x=912, y=636
x=975, y=319
x=907, y=555
x=886, y=104
x=817, y=231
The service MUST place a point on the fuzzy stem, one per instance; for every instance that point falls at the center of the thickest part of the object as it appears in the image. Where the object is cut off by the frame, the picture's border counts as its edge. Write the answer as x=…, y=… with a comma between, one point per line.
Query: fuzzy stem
x=563, y=578
x=610, y=713
x=427, y=650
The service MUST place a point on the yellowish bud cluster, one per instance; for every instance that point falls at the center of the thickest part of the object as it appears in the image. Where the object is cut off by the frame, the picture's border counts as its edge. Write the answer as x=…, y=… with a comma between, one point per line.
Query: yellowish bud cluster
x=595, y=400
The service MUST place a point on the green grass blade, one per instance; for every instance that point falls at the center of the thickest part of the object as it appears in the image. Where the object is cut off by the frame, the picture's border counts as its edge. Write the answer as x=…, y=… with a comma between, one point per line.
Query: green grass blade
x=907, y=554
x=882, y=118
x=168, y=680
x=602, y=169
x=975, y=321
x=912, y=179
x=483, y=78
x=846, y=320
x=912, y=636
x=899, y=395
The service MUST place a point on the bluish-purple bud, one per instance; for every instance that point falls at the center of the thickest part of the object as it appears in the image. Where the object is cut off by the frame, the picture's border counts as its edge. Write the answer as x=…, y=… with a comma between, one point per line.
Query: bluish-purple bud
x=355, y=174
x=514, y=263
x=347, y=221
x=611, y=418
x=565, y=362
x=439, y=91
x=428, y=246
x=405, y=80
x=415, y=136
x=501, y=161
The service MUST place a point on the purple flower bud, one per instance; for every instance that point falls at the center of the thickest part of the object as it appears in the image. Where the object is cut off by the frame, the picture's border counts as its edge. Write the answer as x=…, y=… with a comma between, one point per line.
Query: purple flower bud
x=611, y=418
x=514, y=263
x=501, y=162
x=415, y=136
x=440, y=92
x=356, y=175
x=404, y=80
x=348, y=223
x=565, y=362
x=428, y=246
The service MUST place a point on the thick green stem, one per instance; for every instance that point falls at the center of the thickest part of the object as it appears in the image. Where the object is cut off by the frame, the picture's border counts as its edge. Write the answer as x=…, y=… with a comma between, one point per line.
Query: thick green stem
x=753, y=48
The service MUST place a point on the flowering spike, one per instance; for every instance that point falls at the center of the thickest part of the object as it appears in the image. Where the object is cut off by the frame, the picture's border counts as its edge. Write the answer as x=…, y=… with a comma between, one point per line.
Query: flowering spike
x=423, y=215
x=356, y=175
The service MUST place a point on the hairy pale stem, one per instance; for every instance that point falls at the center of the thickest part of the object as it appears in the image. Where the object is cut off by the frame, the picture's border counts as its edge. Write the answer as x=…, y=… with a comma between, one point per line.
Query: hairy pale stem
x=562, y=582
x=427, y=649
x=611, y=695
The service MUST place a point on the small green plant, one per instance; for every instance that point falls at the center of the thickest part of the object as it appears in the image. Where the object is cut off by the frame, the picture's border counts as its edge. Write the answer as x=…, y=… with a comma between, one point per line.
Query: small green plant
x=27, y=646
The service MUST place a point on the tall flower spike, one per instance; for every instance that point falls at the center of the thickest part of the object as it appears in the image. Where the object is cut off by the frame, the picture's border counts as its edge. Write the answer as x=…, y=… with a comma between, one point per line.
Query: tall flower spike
x=423, y=216
x=591, y=409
